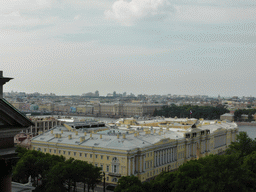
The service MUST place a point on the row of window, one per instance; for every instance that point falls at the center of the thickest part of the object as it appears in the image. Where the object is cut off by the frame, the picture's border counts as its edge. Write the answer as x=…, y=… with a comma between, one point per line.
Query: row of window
x=74, y=153
x=149, y=174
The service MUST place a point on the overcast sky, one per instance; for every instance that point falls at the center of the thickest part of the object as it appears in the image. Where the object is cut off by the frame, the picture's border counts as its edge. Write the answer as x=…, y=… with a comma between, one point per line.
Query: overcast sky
x=191, y=47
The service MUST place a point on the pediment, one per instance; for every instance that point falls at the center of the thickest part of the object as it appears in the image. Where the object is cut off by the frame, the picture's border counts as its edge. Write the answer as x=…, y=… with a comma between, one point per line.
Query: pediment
x=164, y=141
x=10, y=117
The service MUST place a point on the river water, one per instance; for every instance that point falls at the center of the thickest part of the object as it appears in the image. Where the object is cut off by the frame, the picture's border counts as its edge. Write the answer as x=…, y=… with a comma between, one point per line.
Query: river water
x=251, y=130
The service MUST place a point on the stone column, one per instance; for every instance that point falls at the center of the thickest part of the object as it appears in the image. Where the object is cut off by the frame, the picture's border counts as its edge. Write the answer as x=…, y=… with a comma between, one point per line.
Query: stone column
x=158, y=157
x=129, y=168
x=44, y=126
x=36, y=128
x=133, y=167
x=141, y=163
x=166, y=156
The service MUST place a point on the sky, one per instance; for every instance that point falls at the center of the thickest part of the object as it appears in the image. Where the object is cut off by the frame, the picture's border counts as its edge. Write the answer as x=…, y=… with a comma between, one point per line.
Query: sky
x=184, y=47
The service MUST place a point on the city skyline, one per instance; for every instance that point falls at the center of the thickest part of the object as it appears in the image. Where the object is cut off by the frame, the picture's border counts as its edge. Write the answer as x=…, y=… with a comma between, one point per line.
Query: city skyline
x=138, y=46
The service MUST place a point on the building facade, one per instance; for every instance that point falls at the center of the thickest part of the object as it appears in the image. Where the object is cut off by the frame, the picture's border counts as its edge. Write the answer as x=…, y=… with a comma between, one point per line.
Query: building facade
x=143, y=151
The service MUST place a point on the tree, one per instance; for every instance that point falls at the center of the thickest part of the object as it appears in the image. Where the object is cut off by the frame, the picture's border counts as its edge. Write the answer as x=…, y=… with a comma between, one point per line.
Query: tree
x=56, y=178
x=94, y=176
x=243, y=146
x=128, y=184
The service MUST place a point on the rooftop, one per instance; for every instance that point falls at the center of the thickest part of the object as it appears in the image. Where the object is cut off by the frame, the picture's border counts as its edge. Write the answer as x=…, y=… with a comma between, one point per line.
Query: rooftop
x=123, y=137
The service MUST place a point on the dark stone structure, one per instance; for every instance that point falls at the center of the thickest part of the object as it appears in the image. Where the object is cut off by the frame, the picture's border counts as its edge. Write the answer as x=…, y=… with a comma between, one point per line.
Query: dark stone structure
x=11, y=123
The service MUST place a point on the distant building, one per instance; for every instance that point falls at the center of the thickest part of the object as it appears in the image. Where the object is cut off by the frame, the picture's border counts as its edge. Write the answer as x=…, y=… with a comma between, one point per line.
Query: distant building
x=126, y=109
x=227, y=116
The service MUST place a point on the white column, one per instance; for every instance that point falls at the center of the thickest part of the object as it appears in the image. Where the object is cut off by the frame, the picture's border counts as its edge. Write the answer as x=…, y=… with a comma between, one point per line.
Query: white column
x=141, y=163
x=161, y=157
x=44, y=126
x=155, y=158
x=129, y=169
x=158, y=157
x=175, y=157
x=171, y=155
x=133, y=171
x=35, y=128
x=166, y=156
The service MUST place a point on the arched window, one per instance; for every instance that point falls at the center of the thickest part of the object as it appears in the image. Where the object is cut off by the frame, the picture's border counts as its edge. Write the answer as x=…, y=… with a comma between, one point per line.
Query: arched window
x=114, y=159
x=114, y=180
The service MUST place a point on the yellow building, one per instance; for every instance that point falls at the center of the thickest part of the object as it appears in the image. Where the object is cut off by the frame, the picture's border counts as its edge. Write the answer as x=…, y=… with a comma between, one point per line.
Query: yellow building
x=127, y=109
x=143, y=151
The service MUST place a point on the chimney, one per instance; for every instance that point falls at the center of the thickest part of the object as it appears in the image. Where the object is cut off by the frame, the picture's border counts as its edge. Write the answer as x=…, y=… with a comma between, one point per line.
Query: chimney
x=3, y=80
x=82, y=139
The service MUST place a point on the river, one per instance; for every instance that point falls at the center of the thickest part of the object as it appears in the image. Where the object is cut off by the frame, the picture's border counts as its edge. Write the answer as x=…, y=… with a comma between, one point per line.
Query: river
x=251, y=130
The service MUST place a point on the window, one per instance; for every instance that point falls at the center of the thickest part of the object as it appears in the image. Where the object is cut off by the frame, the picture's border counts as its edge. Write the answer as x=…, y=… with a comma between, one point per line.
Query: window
x=50, y=150
x=74, y=153
x=107, y=178
x=114, y=168
x=107, y=168
x=69, y=153
x=54, y=151
x=101, y=156
x=64, y=152
x=90, y=155
x=107, y=157
x=80, y=154
x=34, y=148
x=151, y=154
x=59, y=151
x=101, y=167
x=114, y=180
x=96, y=156
x=85, y=155
x=44, y=150
x=96, y=165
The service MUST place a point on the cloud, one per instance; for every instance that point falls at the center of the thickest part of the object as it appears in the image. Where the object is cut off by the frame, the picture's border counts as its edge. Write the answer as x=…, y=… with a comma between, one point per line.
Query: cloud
x=129, y=13
x=223, y=3
x=213, y=14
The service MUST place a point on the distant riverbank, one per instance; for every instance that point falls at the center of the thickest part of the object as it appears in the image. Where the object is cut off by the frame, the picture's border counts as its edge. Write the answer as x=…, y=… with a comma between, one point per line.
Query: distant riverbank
x=245, y=124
